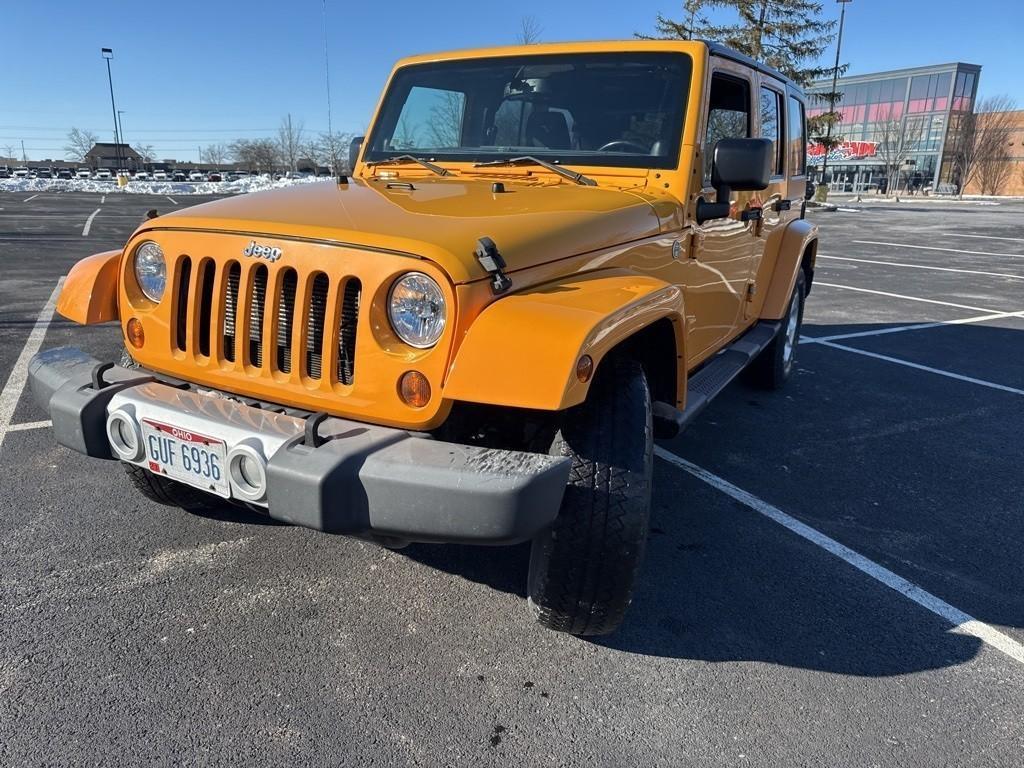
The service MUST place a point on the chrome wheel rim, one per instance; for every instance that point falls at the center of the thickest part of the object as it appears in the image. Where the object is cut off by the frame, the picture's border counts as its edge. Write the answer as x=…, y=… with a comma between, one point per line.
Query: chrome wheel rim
x=792, y=322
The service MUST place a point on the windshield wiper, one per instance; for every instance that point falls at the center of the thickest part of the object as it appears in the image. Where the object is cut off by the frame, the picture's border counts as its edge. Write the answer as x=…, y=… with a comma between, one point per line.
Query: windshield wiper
x=579, y=178
x=402, y=159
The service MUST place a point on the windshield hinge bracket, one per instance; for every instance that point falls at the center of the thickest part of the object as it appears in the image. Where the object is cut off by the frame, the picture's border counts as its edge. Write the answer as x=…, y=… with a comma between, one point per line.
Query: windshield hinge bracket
x=490, y=259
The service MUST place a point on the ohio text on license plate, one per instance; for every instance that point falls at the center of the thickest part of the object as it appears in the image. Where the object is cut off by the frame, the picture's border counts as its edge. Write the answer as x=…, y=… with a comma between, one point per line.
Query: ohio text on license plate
x=192, y=458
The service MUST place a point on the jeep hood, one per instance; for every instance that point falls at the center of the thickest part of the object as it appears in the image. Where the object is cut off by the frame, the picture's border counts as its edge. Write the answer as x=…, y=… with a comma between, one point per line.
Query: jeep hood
x=439, y=219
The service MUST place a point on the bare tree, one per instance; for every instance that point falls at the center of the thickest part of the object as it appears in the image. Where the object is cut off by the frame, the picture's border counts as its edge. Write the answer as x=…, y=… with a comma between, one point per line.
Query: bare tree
x=267, y=155
x=334, y=148
x=446, y=119
x=9, y=151
x=530, y=30
x=892, y=147
x=214, y=154
x=981, y=141
x=79, y=143
x=289, y=141
x=146, y=152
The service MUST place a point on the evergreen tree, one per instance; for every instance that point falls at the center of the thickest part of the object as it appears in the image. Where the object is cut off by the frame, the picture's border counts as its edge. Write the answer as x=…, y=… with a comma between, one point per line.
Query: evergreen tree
x=693, y=25
x=789, y=35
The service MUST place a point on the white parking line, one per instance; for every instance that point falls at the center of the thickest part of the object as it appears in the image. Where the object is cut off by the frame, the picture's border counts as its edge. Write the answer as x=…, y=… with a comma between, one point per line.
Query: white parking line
x=88, y=222
x=29, y=425
x=907, y=298
x=171, y=199
x=936, y=248
x=914, y=327
x=984, y=237
x=963, y=623
x=922, y=266
x=30, y=198
x=11, y=392
x=917, y=366
x=103, y=199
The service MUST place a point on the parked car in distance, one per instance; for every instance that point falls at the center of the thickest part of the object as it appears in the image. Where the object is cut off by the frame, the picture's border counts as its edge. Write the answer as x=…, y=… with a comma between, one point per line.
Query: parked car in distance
x=44, y=173
x=141, y=176
x=197, y=176
x=159, y=175
x=103, y=174
x=83, y=173
x=214, y=176
x=5, y=172
x=65, y=173
x=179, y=176
x=21, y=172
x=236, y=175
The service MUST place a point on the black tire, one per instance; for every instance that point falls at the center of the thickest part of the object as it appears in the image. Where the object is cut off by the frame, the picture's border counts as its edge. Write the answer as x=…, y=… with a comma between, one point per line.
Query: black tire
x=583, y=568
x=169, y=492
x=773, y=367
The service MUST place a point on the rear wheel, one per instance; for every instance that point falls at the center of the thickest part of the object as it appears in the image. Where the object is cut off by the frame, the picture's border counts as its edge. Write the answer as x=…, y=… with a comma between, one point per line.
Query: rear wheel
x=772, y=368
x=583, y=568
x=169, y=492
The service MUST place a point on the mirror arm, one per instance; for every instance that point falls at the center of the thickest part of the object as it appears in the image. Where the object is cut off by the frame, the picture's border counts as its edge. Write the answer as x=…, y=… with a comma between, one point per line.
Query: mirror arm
x=718, y=210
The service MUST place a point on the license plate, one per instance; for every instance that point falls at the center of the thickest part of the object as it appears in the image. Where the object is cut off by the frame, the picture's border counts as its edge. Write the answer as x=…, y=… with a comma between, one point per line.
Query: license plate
x=189, y=457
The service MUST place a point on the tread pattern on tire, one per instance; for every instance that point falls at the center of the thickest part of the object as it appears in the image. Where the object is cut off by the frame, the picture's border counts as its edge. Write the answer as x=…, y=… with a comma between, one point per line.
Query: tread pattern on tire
x=582, y=570
x=167, y=492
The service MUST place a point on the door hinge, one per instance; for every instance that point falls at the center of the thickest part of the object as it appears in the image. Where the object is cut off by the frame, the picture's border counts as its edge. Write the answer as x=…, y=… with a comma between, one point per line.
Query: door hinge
x=751, y=290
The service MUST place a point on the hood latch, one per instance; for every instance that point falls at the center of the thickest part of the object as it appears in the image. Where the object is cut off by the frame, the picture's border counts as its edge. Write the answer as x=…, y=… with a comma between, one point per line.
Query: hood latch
x=490, y=259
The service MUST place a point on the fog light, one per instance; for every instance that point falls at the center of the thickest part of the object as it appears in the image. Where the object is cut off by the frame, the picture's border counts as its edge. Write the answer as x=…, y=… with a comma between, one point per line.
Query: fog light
x=247, y=470
x=414, y=389
x=124, y=436
x=585, y=368
x=136, y=336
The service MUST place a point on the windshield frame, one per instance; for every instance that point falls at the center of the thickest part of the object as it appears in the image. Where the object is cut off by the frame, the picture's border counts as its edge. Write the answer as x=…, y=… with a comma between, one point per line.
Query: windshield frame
x=392, y=102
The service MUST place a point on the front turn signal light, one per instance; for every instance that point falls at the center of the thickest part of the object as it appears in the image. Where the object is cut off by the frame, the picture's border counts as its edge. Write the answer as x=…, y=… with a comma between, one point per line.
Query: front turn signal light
x=136, y=336
x=414, y=389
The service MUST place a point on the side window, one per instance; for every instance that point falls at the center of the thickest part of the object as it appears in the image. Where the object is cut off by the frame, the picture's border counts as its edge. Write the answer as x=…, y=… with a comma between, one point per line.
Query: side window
x=728, y=114
x=797, y=139
x=430, y=119
x=771, y=126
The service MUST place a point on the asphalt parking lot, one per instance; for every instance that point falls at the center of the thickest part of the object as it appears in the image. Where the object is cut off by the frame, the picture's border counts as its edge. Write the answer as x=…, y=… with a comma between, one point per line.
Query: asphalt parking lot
x=833, y=575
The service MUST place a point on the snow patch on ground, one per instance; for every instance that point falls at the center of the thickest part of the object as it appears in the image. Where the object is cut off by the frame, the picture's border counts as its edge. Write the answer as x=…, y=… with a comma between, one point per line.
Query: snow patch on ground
x=240, y=187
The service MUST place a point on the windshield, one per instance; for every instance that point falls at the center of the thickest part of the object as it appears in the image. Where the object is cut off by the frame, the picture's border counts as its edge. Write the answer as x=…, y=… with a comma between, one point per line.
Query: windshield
x=611, y=109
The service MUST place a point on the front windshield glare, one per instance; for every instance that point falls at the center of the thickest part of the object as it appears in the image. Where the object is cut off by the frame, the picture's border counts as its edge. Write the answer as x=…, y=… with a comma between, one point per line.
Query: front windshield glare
x=615, y=109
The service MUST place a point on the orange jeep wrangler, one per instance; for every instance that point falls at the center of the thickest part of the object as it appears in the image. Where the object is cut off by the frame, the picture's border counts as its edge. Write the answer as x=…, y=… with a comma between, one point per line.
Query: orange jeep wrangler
x=543, y=258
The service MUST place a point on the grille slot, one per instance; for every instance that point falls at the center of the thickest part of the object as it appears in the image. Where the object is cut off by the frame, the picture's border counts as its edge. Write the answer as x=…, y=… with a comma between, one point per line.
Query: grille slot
x=347, y=331
x=257, y=307
x=181, y=324
x=315, y=326
x=231, y=310
x=285, y=319
x=206, y=275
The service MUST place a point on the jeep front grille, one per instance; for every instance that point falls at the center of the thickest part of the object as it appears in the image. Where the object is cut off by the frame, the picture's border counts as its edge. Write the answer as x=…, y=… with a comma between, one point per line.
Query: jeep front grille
x=285, y=305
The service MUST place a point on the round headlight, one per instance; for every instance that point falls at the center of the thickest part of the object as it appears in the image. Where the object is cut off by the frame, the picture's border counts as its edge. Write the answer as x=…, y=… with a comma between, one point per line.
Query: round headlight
x=416, y=310
x=151, y=270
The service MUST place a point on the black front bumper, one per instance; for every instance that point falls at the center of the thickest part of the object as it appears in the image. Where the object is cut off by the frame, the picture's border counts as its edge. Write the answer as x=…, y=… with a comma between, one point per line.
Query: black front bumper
x=353, y=478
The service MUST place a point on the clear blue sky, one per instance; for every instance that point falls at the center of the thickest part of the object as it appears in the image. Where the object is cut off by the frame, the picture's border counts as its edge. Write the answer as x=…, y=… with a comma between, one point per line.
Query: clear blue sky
x=189, y=73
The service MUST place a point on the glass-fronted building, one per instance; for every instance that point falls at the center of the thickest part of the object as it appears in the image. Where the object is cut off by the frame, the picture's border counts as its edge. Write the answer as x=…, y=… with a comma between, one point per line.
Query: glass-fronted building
x=925, y=104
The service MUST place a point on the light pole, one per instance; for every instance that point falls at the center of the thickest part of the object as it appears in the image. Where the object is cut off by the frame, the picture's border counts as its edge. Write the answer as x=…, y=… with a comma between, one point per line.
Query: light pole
x=108, y=54
x=832, y=95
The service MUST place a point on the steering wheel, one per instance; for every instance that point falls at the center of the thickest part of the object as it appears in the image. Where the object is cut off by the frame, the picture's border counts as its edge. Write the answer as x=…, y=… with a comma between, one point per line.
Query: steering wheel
x=624, y=145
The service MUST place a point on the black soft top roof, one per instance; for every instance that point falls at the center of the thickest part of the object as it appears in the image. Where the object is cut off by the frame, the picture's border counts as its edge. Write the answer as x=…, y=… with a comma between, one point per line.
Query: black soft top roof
x=718, y=49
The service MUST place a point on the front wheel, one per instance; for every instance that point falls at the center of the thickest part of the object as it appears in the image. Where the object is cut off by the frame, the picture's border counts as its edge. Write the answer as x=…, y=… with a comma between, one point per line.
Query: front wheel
x=583, y=568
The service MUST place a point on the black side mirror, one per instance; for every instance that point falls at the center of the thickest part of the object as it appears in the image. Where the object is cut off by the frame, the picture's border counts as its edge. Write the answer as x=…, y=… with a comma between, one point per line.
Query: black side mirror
x=743, y=165
x=353, y=152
